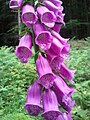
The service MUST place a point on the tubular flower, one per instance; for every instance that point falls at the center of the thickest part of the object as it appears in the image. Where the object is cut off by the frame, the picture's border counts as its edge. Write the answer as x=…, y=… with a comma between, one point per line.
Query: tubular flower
x=67, y=73
x=47, y=17
x=60, y=17
x=64, y=93
x=57, y=3
x=28, y=15
x=66, y=49
x=43, y=37
x=56, y=63
x=50, y=105
x=57, y=27
x=54, y=60
x=50, y=54
x=55, y=6
x=64, y=116
x=57, y=35
x=33, y=99
x=57, y=46
x=52, y=6
x=15, y=4
x=46, y=77
x=23, y=51
x=62, y=88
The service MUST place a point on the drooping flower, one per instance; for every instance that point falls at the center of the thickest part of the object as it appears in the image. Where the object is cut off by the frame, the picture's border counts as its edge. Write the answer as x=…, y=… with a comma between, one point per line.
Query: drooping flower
x=46, y=77
x=66, y=49
x=51, y=6
x=15, y=4
x=60, y=17
x=33, y=98
x=43, y=37
x=55, y=6
x=23, y=50
x=57, y=46
x=64, y=116
x=28, y=15
x=47, y=17
x=57, y=35
x=62, y=88
x=57, y=3
x=56, y=63
x=50, y=105
x=64, y=93
x=67, y=73
x=50, y=54
x=57, y=27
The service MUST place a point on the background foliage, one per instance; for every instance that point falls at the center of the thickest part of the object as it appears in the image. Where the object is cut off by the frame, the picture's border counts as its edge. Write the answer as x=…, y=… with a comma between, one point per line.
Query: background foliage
x=16, y=77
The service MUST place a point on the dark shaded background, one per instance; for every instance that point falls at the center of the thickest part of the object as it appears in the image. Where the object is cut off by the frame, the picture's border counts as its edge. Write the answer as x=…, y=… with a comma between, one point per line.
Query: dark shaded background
x=77, y=21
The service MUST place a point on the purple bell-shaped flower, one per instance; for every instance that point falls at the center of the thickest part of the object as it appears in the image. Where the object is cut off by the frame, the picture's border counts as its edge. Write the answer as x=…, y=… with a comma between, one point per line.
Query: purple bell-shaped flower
x=67, y=73
x=15, y=4
x=57, y=27
x=46, y=77
x=57, y=46
x=33, y=99
x=51, y=6
x=28, y=15
x=64, y=93
x=60, y=17
x=47, y=17
x=23, y=51
x=43, y=37
x=57, y=3
x=62, y=88
x=56, y=63
x=64, y=116
x=50, y=105
x=57, y=35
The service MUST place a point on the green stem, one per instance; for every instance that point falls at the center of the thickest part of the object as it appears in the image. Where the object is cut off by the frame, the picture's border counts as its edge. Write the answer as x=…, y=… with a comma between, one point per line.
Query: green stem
x=19, y=23
x=36, y=47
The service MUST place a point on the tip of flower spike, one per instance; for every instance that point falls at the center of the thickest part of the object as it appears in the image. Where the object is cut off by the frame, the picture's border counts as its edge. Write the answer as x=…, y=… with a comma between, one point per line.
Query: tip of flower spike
x=33, y=110
x=51, y=115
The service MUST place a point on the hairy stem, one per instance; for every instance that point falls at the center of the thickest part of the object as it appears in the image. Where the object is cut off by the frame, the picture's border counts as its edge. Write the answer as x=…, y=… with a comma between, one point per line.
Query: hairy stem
x=19, y=23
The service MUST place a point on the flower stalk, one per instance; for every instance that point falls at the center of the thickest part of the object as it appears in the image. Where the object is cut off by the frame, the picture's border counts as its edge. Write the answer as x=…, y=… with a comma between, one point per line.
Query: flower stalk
x=19, y=24
x=43, y=21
